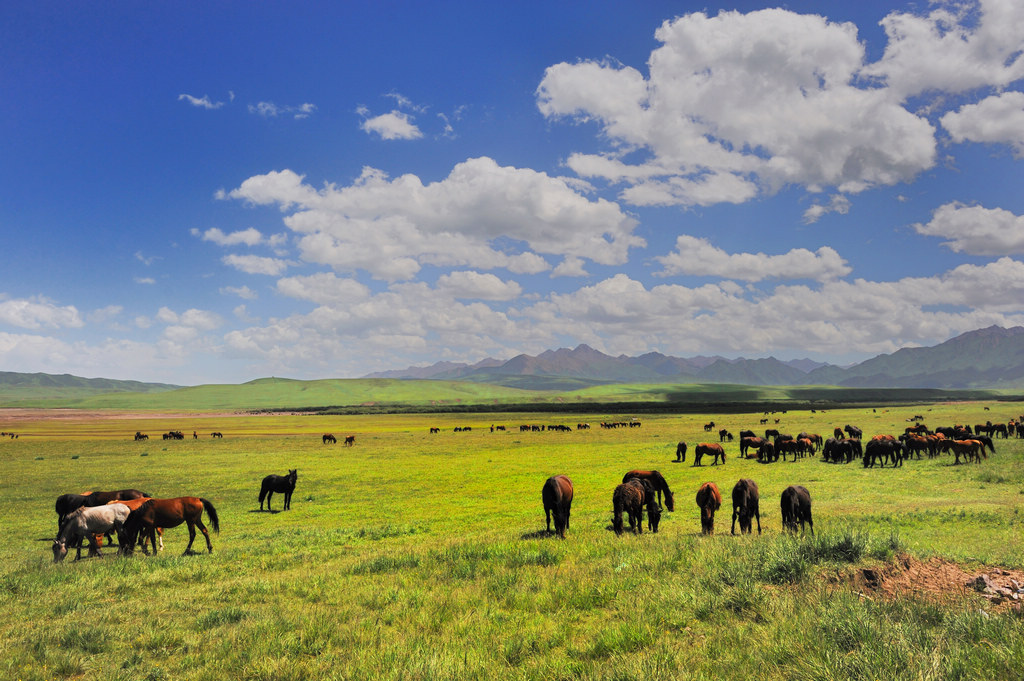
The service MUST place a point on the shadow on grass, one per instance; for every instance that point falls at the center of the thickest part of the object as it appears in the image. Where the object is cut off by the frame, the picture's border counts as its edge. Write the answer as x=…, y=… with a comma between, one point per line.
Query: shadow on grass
x=260, y=510
x=539, y=534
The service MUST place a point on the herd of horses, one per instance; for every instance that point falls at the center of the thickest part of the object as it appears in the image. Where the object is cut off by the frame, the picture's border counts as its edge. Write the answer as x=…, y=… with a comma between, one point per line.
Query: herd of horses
x=329, y=439
x=643, y=490
x=139, y=519
x=132, y=514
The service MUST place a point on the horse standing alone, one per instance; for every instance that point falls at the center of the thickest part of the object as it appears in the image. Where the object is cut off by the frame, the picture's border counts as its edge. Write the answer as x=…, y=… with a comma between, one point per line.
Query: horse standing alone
x=557, y=497
x=279, y=483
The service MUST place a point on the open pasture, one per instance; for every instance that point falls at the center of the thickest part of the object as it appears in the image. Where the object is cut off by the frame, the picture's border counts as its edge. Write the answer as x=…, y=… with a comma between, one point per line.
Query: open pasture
x=419, y=555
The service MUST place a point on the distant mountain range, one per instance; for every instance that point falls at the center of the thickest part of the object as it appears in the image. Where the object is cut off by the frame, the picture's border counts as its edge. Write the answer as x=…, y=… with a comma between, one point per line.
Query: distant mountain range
x=986, y=358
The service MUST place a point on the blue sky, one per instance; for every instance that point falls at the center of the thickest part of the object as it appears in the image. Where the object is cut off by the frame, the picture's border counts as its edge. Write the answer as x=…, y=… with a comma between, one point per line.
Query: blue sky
x=216, y=192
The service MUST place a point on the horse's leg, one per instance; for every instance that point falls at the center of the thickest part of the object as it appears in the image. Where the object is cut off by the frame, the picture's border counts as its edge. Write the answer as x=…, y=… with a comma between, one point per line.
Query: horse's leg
x=209, y=546
x=191, y=538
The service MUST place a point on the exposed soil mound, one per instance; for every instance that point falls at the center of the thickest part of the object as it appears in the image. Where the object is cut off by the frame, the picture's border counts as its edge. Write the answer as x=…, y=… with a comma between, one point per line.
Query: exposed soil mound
x=942, y=580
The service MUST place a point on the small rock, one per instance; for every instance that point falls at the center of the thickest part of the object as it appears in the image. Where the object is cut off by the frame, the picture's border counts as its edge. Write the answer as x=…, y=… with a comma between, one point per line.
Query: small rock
x=1015, y=584
x=1003, y=591
x=981, y=583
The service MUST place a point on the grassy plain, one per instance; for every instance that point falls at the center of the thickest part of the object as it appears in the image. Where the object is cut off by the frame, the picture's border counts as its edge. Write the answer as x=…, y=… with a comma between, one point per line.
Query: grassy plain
x=423, y=556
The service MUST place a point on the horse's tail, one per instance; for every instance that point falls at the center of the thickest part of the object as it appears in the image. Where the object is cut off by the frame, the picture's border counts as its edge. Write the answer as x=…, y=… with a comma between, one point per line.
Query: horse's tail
x=263, y=493
x=212, y=512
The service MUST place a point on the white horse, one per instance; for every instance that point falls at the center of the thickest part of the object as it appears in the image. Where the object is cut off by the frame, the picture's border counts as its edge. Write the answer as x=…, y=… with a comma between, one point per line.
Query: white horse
x=88, y=522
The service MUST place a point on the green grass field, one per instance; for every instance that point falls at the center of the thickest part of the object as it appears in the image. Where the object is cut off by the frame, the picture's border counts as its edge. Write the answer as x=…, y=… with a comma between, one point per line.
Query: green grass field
x=422, y=556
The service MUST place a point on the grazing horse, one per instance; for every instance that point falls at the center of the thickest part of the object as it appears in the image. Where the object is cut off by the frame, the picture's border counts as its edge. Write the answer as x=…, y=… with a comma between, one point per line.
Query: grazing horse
x=350, y=440
x=709, y=500
x=628, y=498
x=101, y=498
x=766, y=452
x=140, y=436
x=658, y=484
x=171, y=513
x=87, y=522
x=709, y=426
x=329, y=438
x=132, y=505
x=854, y=432
x=65, y=504
x=745, y=503
x=681, y=451
x=557, y=497
x=710, y=448
x=796, y=508
x=279, y=483
x=750, y=442
x=972, y=450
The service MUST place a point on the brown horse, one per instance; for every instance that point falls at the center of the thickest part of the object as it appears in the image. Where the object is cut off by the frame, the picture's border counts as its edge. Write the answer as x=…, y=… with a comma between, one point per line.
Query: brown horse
x=103, y=498
x=745, y=503
x=972, y=450
x=657, y=481
x=171, y=513
x=796, y=508
x=709, y=448
x=709, y=500
x=681, y=451
x=132, y=505
x=628, y=498
x=557, y=497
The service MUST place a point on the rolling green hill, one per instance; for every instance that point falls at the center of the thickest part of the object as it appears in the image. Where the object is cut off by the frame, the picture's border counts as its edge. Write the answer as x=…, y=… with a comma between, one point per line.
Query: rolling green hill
x=19, y=386
x=397, y=395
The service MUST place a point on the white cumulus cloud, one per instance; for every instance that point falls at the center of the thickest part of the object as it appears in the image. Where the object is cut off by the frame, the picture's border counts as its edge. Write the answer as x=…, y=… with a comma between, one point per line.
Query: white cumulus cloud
x=738, y=105
x=695, y=256
x=391, y=228
x=976, y=230
x=998, y=119
x=395, y=125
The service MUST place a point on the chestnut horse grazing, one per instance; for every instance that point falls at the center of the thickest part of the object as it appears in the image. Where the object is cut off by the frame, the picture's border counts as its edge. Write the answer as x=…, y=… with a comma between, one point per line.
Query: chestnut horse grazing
x=658, y=483
x=557, y=497
x=279, y=483
x=171, y=513
x=709, y=500
x=745, y=503
x=87, y=522
x=796, y=508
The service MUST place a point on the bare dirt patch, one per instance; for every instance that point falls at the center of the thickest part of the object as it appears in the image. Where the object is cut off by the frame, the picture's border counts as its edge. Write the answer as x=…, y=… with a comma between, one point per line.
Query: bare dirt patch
x=941, y=580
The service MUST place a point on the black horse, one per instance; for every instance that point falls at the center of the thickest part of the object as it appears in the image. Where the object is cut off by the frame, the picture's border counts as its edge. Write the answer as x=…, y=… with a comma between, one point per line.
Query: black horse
x=279, y=483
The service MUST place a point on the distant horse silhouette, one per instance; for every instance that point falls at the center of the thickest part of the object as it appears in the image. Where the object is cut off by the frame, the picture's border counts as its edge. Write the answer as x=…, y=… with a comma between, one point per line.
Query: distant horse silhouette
x=557, y=498
x=171, y=513
x=330, y=439
x=745, y=503
x=140, y=436
x=796, y=508
x=709, y=448
x=88, y=522
x=658, y=483
x=681, y=451
x=350, y=440
x=279, y=483
x=709, y=500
